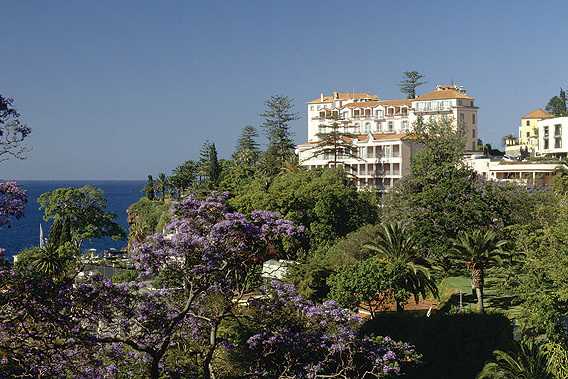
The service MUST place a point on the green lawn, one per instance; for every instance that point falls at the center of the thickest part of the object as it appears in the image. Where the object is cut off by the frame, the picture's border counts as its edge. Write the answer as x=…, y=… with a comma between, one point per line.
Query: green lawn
x=491, y=301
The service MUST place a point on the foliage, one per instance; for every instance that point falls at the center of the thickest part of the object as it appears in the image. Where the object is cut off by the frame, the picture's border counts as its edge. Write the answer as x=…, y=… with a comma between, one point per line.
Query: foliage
x=348, y=250
x=161, y=185
x=361, y=284
x=288, y=325
x=147, y=217
x=247, y=151
x=530, y=361
x=84, y=208
x=60, y=232
x=477, y=250
x=209, y=167
x=54, y=261
x=541, y=280
x=12, y=131
x=409, y=82
x=278, y=115
x=442, y=197
x=149, y=188
x=125, y=276
x=213, y=252
x=183, y=177
x=322, y=200
x=407, y=270
x=557, y=105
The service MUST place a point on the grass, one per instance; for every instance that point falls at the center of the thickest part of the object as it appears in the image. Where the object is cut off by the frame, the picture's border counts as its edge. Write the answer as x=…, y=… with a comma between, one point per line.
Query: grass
x=491, y=300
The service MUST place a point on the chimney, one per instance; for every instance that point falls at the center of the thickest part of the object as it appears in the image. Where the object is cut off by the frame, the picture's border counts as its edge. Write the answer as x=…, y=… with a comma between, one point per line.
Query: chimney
x=335, y=96
x=322, y=97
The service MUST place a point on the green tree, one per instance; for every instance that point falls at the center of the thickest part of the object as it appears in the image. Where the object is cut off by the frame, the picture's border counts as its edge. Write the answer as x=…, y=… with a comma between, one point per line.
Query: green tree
x=410, y=273
x=84, y=208
x=209, y=166
x=409, y=82
x=276, y=127
x=360, y=284
x=441, y=196
x=529, y=362
x=162, y=184
x=247, y=149
x=60, y=232
x=184, y=176
x=477, y=250
x=322, y=200
x=149, y=188
x=336, y=144
x=557, y=105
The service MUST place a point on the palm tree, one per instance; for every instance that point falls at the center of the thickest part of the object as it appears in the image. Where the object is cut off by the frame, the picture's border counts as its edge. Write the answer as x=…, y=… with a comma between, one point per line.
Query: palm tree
x=162, y=182
x=47, y=260
x=477, y=250
x=530, y=362
x=396, y=246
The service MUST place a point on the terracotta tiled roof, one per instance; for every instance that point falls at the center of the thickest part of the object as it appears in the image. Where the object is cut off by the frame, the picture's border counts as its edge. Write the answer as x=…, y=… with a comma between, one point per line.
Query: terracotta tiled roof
x=443, y=94
x=386, y=136
x=355, y=96
x=539, y=113
x=362, y=104
x=326, y=99
x=345, y=96
x=396, y=103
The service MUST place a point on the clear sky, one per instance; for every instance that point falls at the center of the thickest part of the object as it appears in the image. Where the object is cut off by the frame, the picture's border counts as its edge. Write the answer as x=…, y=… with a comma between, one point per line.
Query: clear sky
x=124, y=89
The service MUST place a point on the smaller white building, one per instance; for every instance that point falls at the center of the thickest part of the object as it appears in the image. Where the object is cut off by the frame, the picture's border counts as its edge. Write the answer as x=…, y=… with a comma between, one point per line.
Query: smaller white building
x=553, y=137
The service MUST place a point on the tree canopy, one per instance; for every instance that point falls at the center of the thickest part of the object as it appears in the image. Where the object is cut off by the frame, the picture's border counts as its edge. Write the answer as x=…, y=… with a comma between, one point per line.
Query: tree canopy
x=84, y=208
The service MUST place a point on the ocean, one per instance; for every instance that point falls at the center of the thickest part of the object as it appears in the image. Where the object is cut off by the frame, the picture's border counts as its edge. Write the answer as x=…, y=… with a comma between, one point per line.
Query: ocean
x=24, y=233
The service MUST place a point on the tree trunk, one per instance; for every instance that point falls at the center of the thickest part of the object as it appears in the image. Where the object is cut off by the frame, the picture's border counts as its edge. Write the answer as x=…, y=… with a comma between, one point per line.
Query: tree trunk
x=479, y=292
x=477, y=279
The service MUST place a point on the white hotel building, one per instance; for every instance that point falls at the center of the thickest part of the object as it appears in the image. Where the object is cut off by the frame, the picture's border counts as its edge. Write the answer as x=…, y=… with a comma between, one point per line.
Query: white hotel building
x=383, y=153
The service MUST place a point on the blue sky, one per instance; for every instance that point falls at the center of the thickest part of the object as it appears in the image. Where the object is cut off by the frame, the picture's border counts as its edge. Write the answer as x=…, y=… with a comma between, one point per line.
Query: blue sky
x=123, y=89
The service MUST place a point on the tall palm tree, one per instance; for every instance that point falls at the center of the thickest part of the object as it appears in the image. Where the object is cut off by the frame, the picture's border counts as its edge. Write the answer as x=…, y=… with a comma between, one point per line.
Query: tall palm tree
x=530, y=362
x=396, y=246
x=477, y=250
x=161, y=183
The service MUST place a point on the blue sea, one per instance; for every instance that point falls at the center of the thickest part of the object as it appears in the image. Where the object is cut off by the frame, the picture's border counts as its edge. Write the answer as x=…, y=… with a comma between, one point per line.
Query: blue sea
x=24, y=233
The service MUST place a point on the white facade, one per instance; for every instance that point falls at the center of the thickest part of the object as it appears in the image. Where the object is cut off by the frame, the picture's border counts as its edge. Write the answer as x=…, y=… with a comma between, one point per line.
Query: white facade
x=383, y=155
x=553, y=137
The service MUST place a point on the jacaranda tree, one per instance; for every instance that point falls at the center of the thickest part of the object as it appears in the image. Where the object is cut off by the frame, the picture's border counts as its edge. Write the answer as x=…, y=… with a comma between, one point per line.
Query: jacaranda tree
x=205, y=262
x=12, y=135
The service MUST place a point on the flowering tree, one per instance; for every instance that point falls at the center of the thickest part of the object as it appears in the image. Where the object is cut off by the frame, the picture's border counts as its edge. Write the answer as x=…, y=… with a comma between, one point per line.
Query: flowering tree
x=298, y=339
x=211, y=253
x=12, y=134
x=205, y=262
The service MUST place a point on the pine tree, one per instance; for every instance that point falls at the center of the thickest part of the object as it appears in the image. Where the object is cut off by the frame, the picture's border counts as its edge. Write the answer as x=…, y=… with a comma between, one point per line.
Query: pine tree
x=246, y=149
x=276, y=128
x=209, y=167
x=336, y=145
x=409, y=82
